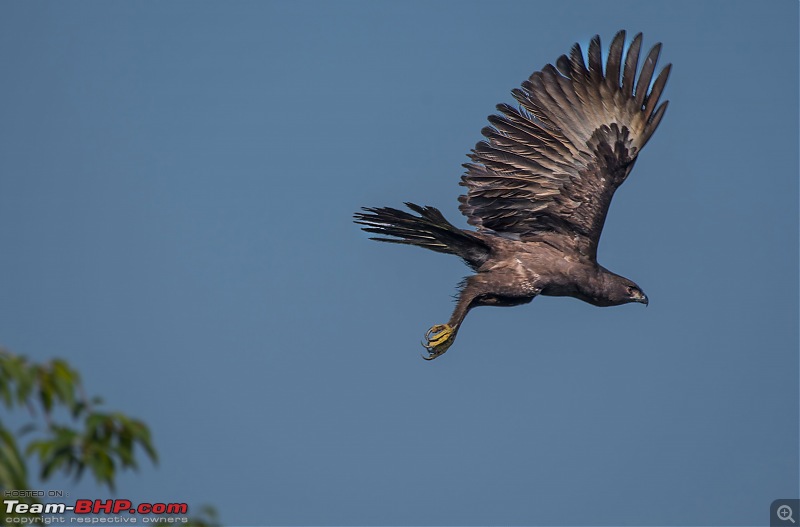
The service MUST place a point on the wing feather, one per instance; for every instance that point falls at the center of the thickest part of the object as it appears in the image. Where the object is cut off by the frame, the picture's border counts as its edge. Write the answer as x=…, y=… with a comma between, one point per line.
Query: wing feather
x=631, y=63
x=655, y=93
x=647, y=74
x=659, y=113
x=549, y=167
x=614, y=64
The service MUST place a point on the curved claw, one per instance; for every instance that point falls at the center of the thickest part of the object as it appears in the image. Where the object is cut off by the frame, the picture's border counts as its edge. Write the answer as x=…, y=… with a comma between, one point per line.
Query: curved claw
x=438, y=340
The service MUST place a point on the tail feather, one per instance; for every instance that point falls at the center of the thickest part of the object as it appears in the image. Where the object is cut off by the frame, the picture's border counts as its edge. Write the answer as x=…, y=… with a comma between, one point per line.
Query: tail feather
x=429, y=230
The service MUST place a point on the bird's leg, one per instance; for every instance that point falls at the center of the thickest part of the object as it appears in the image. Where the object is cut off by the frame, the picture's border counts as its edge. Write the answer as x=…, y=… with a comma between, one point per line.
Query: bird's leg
x=440, y=337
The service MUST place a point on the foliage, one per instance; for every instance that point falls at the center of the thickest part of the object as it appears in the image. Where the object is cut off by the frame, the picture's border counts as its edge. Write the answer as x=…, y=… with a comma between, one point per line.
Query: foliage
x=99, y=441
x=67, y=433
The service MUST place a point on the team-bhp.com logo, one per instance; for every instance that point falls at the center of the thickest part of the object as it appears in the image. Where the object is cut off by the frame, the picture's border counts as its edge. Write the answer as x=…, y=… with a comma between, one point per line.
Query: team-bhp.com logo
x=90, y=511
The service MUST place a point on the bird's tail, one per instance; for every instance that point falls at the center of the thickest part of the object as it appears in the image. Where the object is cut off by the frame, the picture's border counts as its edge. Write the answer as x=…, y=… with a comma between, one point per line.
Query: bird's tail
x=430, y=230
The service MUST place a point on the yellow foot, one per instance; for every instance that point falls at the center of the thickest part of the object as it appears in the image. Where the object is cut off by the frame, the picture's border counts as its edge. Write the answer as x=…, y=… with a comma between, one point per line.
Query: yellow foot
x=438, y=339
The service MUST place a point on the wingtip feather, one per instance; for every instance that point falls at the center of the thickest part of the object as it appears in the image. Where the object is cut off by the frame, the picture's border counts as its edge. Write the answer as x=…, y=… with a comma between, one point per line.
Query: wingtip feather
x=614, y=63
x=631, y=65
x=649, y=66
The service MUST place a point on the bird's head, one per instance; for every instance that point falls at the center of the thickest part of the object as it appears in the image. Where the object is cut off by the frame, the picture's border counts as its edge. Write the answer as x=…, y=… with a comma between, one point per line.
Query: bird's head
x=634, y=294
x=618, y=290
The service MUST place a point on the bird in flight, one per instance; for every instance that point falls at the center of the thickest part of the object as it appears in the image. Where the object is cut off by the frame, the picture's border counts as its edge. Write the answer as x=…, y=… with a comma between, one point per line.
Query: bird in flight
x=539, y=186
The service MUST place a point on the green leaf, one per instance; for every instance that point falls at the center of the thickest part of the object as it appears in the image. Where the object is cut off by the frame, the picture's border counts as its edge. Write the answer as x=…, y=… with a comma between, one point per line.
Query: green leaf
x=13, y=472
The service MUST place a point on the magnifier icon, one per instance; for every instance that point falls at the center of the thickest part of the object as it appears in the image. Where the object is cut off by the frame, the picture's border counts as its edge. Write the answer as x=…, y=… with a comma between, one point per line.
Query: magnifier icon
x=785, y=513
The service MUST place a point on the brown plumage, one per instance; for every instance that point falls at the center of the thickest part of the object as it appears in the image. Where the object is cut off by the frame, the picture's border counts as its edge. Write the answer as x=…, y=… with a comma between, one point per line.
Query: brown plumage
x=539, y=187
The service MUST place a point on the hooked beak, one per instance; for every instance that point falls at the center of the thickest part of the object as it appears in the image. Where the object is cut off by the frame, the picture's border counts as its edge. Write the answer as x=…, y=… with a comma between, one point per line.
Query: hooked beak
x=644, y=300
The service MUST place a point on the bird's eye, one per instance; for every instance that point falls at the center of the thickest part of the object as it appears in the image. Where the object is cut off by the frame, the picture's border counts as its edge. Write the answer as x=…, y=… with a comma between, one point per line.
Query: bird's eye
x=631, y=290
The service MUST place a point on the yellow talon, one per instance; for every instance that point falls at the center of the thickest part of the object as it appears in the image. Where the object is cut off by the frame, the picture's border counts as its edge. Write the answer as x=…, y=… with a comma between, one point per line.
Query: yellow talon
x=445, y=335
x=435, y=329
x=438, y=339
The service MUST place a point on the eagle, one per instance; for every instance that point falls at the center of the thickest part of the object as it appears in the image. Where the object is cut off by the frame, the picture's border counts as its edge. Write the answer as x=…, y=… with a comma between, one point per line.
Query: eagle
x=539, y=186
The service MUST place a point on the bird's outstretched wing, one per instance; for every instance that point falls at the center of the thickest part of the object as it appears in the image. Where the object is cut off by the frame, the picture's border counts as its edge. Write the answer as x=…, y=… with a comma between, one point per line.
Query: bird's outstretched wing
x=549, y=169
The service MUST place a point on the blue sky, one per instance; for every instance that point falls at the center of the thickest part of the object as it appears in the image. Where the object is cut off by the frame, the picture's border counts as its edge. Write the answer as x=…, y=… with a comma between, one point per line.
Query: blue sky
x=176, y=195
